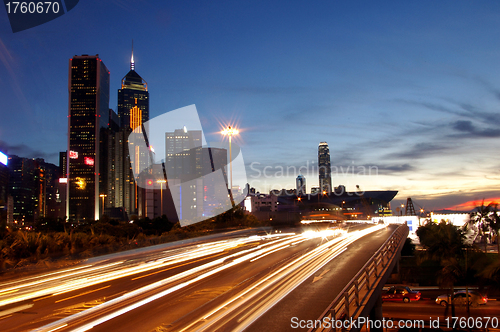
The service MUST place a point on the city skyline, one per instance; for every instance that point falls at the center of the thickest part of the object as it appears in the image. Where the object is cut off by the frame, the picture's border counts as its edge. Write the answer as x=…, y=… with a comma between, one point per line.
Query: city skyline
x=410, y=90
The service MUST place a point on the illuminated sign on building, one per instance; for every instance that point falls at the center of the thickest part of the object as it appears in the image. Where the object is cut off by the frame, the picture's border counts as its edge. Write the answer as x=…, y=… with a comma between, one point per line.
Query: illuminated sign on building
x=3, y=158
x=73, y=155
x=80, y=183
x=63, y=180
x=88, y=161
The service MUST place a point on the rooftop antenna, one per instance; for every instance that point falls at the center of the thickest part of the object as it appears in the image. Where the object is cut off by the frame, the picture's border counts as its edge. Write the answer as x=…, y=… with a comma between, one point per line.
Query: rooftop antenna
x=132, y=63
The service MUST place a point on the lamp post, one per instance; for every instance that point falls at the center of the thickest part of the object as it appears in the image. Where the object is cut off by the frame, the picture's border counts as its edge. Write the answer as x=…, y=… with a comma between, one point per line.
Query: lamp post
x=229, y=131
x=161, y=182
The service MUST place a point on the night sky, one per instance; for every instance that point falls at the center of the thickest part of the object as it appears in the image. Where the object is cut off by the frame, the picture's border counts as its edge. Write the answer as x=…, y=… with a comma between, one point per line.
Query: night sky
x=411, y=90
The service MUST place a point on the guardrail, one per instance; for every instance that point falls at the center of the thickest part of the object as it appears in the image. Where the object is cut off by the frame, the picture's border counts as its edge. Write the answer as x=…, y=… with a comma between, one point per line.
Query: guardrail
x=353, y=301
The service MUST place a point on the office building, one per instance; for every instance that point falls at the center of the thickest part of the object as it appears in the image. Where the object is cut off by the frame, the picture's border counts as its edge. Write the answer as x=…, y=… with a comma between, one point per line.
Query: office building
x=63, y=163
x=324, y=168
x=122, y=191
x=213, y=159
x=33, y=187
x=300, y=185
x=133, y=99
x=183, y=153
x=196, y=175
x=4, y=188
x=87, y=121
x=23, y=188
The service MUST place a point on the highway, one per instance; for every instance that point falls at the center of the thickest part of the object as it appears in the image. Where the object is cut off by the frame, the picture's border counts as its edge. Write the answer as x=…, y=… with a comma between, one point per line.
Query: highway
x=226, y=283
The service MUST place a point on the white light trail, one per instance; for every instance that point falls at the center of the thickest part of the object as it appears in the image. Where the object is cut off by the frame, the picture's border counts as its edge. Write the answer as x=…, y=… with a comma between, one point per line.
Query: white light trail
x=303, y=267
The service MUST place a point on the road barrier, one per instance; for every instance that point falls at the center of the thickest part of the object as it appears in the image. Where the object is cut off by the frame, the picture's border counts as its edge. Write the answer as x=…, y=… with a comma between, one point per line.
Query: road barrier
x=361, y=294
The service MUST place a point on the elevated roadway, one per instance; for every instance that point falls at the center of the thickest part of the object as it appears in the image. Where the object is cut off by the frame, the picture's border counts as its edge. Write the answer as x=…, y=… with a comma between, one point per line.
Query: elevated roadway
x=227, y=283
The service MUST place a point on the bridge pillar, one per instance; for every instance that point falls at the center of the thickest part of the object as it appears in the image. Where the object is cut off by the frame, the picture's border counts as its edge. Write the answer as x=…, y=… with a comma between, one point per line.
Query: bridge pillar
x=376, y=316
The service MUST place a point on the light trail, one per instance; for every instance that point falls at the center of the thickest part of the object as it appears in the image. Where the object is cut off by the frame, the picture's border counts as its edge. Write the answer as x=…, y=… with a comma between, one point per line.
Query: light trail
x=248, y=253
x=238, y=301
x=68, y=280
x=294, y=273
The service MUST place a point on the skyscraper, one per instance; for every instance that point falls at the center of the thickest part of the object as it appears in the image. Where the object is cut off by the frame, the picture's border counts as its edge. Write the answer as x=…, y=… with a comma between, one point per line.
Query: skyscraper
x=133, y=112
x=183, y=153
x=4, y=186
x=189, y=168
x=133, y=99
x=325, y=177
x=301, y=185
x=87, y=121
x=33, y=188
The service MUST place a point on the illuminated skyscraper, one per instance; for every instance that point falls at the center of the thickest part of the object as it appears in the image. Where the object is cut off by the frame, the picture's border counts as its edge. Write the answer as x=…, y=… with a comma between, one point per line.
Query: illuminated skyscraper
x=133, y=111
x=88, y=120
x=325, y=177
x=133, y=99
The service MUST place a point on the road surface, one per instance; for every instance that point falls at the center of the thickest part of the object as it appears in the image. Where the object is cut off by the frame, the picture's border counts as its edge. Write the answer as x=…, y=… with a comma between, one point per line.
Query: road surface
x=225, y=283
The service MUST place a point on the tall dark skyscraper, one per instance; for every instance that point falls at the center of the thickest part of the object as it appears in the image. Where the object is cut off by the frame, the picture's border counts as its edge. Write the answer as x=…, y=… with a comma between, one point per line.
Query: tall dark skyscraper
x=325, y=170
x=133, y=99
x=133, y=112
x=87, y=121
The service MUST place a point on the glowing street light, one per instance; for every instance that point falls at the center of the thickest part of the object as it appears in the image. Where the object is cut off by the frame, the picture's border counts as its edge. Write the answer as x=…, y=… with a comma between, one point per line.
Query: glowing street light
x=230, y=132
x=161, y=182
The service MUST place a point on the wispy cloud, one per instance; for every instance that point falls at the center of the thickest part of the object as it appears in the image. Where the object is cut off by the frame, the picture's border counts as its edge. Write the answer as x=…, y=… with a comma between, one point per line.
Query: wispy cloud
x=23, y=150
x=419, y=150
x=468, y=130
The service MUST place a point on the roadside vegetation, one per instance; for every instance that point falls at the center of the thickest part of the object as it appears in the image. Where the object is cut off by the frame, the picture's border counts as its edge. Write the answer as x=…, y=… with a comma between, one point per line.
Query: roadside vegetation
x=456, y=256
x=52, y=242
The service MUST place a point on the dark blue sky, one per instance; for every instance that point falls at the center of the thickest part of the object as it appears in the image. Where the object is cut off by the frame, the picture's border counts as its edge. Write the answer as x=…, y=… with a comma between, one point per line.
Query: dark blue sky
x=410, y=89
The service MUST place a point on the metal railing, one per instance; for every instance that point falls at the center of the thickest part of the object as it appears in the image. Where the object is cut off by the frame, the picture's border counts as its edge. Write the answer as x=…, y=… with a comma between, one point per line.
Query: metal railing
x=353, y=299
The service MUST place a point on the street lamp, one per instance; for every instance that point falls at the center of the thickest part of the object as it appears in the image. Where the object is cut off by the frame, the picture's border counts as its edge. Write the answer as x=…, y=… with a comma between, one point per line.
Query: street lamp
x=161, y=182
x=229, y=131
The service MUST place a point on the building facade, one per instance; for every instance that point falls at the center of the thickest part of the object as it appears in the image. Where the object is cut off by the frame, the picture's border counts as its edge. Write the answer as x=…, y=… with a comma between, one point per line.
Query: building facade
x=300, y=185
x=4, y=189
x=324, y=168
x=87, y=122
x=122, y=191
x=133, y=99
x=33, y=187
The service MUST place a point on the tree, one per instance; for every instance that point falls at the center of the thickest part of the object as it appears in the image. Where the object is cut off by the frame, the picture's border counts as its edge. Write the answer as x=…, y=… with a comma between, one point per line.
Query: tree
x=408, y=248
x=481, y=218
x=443, y=243
x=494, y=225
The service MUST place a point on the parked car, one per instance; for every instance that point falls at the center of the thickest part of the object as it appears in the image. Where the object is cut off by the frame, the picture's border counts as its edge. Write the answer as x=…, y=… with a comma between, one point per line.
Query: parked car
x=400, y=294
x=459, y=298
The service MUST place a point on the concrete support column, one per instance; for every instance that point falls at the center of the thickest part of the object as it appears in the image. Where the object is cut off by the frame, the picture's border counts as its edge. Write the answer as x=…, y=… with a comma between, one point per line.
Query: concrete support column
x=376, y=316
